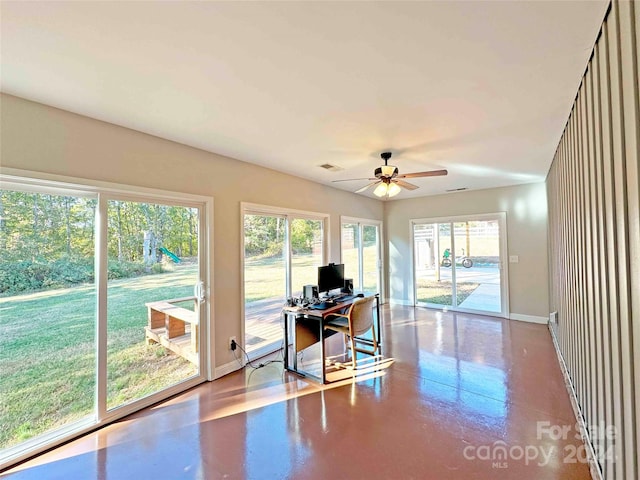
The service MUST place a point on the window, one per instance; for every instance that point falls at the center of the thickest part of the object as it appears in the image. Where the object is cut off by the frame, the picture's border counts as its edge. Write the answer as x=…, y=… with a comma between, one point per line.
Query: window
x=361, y=250
x=282, y=252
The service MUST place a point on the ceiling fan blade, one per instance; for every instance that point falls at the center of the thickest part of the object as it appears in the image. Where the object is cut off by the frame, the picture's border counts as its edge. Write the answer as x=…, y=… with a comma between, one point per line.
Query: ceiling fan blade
x=352, y=179
x=364, y=188
x=432, y=173
x=403, y=184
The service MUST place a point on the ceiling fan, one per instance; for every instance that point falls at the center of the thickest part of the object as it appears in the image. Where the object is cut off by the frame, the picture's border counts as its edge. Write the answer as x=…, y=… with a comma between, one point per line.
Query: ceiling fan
x=388, y=180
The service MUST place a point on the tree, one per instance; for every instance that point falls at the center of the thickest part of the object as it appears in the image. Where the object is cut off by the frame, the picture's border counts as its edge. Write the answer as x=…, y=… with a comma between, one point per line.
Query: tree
x=303, y=234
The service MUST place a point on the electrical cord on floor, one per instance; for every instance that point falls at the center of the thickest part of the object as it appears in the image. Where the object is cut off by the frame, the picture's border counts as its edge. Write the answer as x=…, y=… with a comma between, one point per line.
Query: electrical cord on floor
x=250, y=363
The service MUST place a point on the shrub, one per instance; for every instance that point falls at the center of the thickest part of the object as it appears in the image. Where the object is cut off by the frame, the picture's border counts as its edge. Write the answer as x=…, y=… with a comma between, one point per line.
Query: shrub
x=41, y=274
x=157, y=268
x=71, y=271
x=124, y=269
x=23, y=276
x=18, y=277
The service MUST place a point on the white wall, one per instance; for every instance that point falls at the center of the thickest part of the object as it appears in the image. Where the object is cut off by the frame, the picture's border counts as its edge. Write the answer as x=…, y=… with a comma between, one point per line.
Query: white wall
x=39, y=138
x=526, y=209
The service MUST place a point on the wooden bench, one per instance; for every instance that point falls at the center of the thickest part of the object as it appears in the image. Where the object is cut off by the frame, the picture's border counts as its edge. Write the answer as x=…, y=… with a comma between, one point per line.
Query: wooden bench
x=167, y=325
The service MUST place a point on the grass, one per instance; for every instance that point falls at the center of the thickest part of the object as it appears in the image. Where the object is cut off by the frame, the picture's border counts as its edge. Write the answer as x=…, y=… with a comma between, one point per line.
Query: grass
x=48, y=360
x=265, y=277
x=439, y=293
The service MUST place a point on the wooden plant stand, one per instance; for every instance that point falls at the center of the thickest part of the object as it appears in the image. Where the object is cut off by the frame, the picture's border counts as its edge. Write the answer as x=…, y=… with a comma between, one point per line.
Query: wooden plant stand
x=174, y=327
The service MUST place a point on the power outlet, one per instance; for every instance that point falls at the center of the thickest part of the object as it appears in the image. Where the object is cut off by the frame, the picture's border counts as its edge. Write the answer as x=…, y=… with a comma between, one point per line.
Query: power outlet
x=232, y=340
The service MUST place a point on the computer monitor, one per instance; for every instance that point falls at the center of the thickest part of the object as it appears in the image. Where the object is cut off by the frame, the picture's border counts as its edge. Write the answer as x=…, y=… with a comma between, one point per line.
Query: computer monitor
x=330, y=277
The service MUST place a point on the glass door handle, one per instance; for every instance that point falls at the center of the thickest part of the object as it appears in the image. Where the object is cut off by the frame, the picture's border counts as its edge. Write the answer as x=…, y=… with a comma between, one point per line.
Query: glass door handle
x=199, y=292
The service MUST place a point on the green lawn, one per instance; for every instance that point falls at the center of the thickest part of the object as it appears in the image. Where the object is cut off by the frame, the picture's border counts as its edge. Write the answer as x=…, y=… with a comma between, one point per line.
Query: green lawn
x=370, y=267
x=265, y=276
x=47, y=352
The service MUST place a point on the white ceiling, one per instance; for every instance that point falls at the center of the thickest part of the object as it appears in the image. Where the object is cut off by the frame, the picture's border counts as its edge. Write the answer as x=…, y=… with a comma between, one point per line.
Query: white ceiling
x=480, y=88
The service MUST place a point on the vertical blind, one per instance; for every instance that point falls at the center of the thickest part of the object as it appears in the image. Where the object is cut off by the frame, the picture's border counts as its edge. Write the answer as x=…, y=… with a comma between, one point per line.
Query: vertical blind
x=594, y=244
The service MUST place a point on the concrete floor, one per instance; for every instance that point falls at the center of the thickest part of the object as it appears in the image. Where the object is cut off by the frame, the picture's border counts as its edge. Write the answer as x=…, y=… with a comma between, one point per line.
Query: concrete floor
x=465, y=397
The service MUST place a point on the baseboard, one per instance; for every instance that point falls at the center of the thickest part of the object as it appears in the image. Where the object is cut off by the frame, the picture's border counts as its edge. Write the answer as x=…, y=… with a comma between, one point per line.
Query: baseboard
x=594, y=467
x=528, y=318
x=226, y=369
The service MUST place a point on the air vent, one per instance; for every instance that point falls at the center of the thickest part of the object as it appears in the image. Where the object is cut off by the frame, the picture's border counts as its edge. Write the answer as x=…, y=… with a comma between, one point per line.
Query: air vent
x=457, y=189
x=331, y=168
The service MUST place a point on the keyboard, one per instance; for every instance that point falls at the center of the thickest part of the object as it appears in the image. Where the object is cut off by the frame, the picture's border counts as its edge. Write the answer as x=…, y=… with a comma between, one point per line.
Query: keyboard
x=344, y=298
x=321, y=306
x=332, y=302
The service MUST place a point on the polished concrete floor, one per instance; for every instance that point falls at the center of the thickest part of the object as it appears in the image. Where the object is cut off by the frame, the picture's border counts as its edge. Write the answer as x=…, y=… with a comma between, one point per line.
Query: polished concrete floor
x=465, y=396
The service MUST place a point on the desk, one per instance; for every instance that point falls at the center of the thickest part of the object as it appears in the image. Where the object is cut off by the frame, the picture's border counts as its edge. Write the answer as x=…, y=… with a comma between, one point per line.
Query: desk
x=313, y=332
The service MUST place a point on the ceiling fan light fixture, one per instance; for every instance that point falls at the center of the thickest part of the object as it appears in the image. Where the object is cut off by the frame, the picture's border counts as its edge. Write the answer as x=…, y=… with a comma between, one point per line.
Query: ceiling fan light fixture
x=389, y=183
x=381, y=190
x=389, y=170
x=393, y=189
x=386, y=171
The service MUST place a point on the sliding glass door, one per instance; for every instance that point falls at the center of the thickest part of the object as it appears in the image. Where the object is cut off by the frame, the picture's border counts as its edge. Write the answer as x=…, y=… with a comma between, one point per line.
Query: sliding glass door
x=153, y=254
x=99, y=315
x=460, y=263
x=478, y=266
x=350, y=252
x=371, y=259
x=282, y=252
x=47, y=314
x=432, y=247
x=265, y=280
x=306, y=253
x=361, y=254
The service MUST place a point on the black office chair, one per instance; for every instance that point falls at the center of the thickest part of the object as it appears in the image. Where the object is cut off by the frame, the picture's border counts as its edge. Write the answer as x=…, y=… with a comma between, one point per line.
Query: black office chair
x=357, y=321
